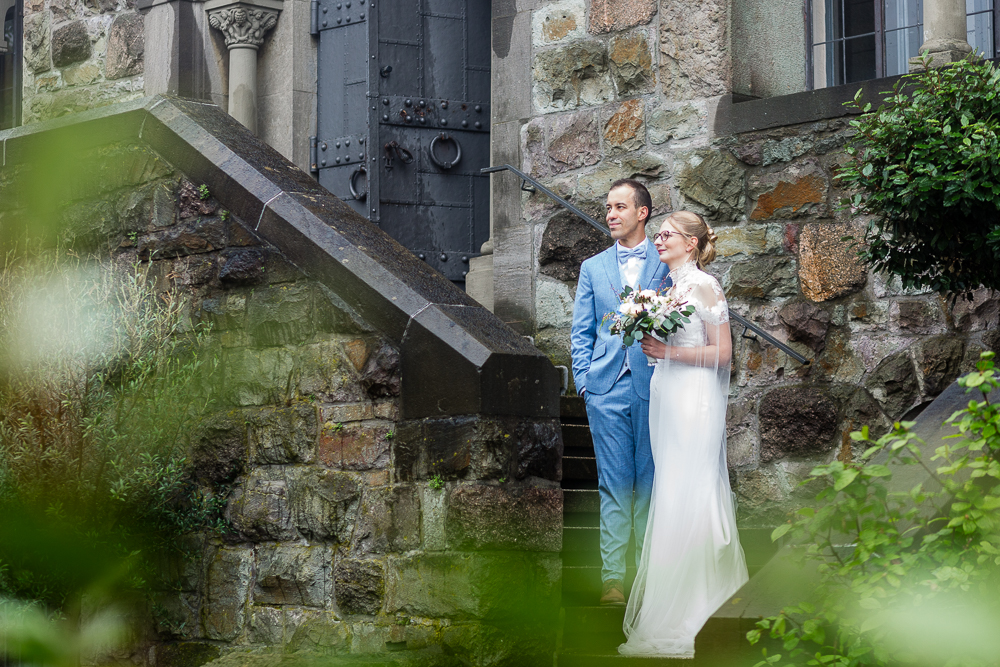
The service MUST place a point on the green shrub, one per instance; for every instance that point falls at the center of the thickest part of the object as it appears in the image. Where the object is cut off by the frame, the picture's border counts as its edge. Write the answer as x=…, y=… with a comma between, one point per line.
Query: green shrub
x=924, y=165
x=904, y=577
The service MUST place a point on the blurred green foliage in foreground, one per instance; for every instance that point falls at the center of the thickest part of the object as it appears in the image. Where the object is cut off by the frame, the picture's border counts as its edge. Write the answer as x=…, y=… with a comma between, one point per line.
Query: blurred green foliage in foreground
x=102, y=380
x=905, y=578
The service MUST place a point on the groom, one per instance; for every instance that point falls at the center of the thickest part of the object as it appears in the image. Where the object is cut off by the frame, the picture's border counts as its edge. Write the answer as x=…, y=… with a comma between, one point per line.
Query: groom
x=614, y=380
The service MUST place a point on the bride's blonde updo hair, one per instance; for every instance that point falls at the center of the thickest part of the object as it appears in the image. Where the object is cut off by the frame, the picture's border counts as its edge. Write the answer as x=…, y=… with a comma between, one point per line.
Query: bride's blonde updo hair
x=694, y=226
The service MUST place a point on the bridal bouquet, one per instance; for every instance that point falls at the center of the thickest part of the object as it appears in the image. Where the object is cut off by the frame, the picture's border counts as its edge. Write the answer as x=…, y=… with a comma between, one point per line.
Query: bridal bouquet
x=648, y=313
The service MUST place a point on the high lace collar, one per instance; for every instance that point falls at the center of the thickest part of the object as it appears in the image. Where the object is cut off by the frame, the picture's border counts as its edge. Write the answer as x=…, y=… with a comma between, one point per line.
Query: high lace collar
x=683, y=270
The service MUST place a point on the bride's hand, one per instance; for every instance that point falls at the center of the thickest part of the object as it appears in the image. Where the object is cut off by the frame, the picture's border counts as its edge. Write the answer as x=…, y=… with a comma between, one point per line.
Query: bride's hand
x=653, y=347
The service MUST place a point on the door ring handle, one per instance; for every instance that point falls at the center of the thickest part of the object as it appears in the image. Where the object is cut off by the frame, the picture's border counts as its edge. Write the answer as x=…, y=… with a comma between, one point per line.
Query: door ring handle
x=360, y=196
x=440, y=163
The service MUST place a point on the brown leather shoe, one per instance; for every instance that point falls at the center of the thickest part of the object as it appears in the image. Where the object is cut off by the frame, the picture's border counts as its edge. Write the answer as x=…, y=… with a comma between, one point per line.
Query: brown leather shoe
x=613, y=592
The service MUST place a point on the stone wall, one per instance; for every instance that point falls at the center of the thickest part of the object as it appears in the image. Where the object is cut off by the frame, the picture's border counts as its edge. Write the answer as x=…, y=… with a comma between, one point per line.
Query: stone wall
x=355, y=529
x=80, y=54
x=639, y=92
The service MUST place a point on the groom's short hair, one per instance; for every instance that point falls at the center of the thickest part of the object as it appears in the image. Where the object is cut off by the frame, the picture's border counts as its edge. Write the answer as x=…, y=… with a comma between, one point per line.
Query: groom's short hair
x=640, y=195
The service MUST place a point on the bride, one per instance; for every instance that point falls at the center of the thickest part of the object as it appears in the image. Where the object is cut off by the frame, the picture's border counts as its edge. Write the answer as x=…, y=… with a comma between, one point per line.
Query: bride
x=692, y=561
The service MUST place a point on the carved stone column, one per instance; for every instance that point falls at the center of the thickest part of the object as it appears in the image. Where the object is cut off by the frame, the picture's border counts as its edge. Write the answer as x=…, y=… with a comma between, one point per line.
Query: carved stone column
x=244, y=24
x=945, y=37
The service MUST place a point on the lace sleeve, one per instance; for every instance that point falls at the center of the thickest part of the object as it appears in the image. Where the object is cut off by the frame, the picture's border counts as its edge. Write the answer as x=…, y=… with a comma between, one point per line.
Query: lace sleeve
x=711, y=302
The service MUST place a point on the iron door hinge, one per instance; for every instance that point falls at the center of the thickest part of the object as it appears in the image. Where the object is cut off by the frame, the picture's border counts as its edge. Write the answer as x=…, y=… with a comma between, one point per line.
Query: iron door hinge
x=314, y=17
x=313, y=157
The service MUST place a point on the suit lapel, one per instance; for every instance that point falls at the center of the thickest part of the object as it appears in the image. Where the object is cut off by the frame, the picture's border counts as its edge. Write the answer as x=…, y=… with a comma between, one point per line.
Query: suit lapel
x=649, y=269
x=610, y=262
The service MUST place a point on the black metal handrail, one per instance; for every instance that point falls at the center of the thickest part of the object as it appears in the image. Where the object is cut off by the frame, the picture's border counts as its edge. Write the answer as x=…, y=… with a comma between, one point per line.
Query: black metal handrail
x=746, y=324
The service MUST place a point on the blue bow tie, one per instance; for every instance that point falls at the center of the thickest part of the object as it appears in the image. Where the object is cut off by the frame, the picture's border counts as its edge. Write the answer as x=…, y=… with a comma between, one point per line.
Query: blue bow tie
x=625, y=254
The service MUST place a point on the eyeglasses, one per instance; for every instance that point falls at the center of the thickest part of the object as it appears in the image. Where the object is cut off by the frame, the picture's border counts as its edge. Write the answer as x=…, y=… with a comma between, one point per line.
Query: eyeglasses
x=663, y=236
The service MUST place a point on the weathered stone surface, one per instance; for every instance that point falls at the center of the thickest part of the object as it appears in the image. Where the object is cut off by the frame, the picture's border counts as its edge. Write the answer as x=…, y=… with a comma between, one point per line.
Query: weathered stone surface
x=37, y=42
x=283, y=435
x=227, y=588
x=801, y=190
x=81, y=74
x=759, y=492
x=70, y=44
x=917, y=316
x=982, y=312
x=354, y=446
x=219, y=448
x=631, y=64
x=560, y=21
x=762, y=278
x=281, y=314
x=748, y=240
x=571, y=76
x=325, y=374
x=828, y=267
x=680, y=123
x=574, y=142
x=939, y=360
x=359, y=586
x=514, y=586
x=293, y=574
x=711, y=183
x=389, y=520
x=243, y=267
x=553, y=304
x=613, y=15
x=260, y=509
x=797, y=421
x=192, y=203
x=380, y=377
x=694, y=49
x=324, y=503
x=568, y=241
x=742, y=441
x=893, y=383
x=861, y=409
x=504, y=518
x=126, y=46
x=643, y=167
x=186, y=654
x=539, y=449
x=198, y=236
x=807, y=323
x=312, y=629
x=624, y=131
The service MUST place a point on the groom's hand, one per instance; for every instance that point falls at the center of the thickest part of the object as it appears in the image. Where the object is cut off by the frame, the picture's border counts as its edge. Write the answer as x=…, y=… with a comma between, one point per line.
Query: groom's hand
x=653, y=347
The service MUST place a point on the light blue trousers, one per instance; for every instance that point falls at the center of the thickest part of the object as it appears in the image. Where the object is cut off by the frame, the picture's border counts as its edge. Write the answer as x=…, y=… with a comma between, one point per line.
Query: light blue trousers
x=619, y=424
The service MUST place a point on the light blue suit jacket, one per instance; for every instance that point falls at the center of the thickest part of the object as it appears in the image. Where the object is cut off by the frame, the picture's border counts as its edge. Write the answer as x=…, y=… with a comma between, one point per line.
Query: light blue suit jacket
x=598, y=356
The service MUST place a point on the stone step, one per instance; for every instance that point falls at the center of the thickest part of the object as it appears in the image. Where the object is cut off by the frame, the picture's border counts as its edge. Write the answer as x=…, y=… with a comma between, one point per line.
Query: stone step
x=581, y=501
x=581, y=538
x=579, y=467
x=581, y=519
x=577, y=438
x=572, y=408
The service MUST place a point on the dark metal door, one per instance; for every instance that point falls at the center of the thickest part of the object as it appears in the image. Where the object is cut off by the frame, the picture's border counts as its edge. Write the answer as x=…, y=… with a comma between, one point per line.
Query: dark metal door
x=403, y=120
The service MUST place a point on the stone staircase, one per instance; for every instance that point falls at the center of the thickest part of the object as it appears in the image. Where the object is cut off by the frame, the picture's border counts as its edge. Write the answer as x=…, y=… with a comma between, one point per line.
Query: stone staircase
x=590, y=634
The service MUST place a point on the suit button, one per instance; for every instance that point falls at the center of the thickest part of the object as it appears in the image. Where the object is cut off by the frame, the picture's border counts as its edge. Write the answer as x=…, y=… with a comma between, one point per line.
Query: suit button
x=623, y=347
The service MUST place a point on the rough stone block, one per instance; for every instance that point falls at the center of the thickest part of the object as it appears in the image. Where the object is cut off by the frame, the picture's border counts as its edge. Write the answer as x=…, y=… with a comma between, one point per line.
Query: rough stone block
x=644, y=167
x=290, y=574
x=357, y=352
x=176, y=614
x=674, y=123
x=219, y=448
x=760, y=493
x=519, y=587
x=558, y=22
x=694, y=49
x=198, y=236
x=359, y=586
x=829, y=267
x=260, y=508
x=612, y=15
x=243, y=267
x=893, y=383
x=763, y=278
x=800, y=190
x=389, y=520
x=38, y=42
x=797, y=421
x=571, y=76
x=505, y=517
x=324, y=374
x=81, y=74
x=381, y=375
x=742, y=440
x=256, y=377
x=918, y=316
x=267, y=625
x=70, y=44
x=565, y=244
x=553, y=304
x=308, y=628
x=625, y=130
x=631, y=64
x=324, y=503
x=861, y=409
x=281, y=315
x=573, y=142
x=354, y=446
x=711, y=183
x=126, y=46
x=806, y=323
x=283, y=435
x=185, y=654
x=981, y=313
x=227, y=589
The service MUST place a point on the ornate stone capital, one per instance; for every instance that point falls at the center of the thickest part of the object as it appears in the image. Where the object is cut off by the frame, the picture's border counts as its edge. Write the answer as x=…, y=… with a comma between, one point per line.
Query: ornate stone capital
x=244, y=24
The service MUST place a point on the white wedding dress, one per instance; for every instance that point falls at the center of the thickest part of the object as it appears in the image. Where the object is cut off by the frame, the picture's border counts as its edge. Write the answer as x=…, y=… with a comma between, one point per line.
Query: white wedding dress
x=692, y=561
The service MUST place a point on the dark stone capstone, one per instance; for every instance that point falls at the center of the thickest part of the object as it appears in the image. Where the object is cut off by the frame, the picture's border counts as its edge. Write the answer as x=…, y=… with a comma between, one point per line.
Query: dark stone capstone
x=381, y=377
x=893, y=383
x=568, y=241
x=359, y=586
x=70, y=44
x=940, y=360
x=796, y=421
x=807, y=323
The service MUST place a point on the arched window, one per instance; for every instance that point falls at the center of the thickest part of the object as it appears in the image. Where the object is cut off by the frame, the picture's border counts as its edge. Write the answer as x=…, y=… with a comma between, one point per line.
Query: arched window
x=855, y=40
x=10, y=64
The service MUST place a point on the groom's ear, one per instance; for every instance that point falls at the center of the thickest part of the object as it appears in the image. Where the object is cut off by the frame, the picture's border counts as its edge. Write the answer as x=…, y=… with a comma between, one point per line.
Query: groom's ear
x=644, y=214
